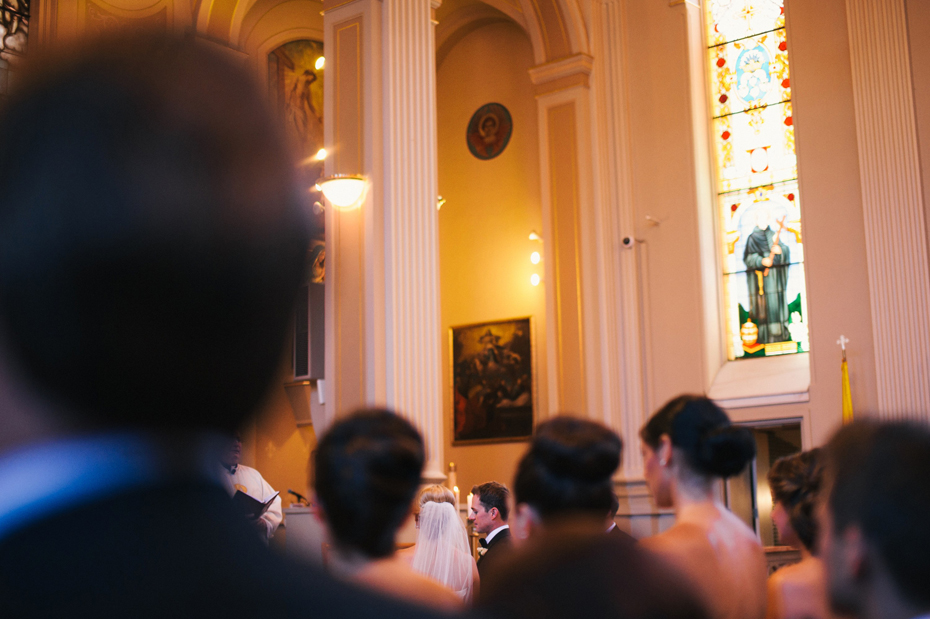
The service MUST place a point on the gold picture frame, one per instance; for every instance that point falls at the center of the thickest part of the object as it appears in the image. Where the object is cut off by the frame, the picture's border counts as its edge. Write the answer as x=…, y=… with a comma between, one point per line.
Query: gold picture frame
x=493, y=381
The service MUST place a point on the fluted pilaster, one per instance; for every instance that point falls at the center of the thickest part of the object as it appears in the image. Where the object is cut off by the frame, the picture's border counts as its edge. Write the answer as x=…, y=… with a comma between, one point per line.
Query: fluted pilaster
x=411, y=227
x=892, y=199
x=625, y=401
x=383, y=316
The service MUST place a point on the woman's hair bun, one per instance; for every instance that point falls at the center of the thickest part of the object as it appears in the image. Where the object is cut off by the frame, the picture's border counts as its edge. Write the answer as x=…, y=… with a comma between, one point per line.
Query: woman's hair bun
x=796, y=481
x=575, y=449
x=703, y=432
x=568, y=468
x=726, y=451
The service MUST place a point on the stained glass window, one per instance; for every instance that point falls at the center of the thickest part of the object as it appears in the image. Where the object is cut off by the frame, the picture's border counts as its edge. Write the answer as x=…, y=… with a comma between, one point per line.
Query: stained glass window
x=757, y=178
x=14, y=31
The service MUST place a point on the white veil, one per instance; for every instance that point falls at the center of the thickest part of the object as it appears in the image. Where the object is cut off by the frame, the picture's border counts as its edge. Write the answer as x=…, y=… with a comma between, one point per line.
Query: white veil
x=442, y=551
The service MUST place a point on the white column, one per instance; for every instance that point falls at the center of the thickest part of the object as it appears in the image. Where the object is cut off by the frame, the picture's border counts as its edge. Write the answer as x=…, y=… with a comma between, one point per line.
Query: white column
x=411, y=227
x=892, y=199
x=621, y=326
x=383, y=313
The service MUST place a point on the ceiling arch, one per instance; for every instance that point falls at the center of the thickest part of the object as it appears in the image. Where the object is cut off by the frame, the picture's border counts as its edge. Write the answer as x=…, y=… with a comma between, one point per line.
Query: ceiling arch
x=555, y=27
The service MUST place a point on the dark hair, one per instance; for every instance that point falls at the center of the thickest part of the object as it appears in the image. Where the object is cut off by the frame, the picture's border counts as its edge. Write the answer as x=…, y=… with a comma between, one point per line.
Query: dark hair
x=492, y=494
x=568, y=468
x=614, y=505
x=367, y=471
x=151, y=238
x=711, y=444
x=795, y=481
x=879, y=479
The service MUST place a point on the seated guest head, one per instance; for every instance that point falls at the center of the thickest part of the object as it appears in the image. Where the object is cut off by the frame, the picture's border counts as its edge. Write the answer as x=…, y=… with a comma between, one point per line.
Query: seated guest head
x=366, y=472
x=875, y=542
x=688, y=444
x=566, y=473
x=795, y=482
x=490, y=506
x=151, y=238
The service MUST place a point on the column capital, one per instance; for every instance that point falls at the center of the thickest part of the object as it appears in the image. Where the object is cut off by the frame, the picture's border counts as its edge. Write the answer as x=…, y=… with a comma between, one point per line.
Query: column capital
x=568, y=72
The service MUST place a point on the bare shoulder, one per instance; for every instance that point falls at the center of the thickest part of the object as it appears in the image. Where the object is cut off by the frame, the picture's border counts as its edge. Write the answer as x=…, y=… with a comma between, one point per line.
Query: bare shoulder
x=680, y=538
x=802, y=575
x=395, y=578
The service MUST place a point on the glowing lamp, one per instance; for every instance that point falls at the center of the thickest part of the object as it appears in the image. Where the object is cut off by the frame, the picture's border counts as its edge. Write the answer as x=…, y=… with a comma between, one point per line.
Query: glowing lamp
x=320, y=63
x=534, y=279
x=535, y=258
x=344, y=191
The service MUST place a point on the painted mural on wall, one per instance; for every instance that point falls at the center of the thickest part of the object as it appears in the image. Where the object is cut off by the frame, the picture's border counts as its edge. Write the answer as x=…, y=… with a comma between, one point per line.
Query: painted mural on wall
x=492, y=379
x=295, y=82
x=489, y=131
x=757, y=178
x=14, y=33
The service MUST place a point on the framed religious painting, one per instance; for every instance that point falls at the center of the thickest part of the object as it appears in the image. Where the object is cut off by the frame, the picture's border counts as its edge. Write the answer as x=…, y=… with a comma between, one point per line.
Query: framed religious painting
x=493, y=381
x=489, y=131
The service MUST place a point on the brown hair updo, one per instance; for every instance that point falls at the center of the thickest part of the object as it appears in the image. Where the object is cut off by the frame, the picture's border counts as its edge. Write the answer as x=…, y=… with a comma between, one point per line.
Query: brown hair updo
x=795, y=481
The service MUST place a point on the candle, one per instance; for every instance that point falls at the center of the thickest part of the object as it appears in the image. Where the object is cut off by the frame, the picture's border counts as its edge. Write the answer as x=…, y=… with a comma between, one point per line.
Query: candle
x=452, y=481
x=471, y=496
x=455, y=489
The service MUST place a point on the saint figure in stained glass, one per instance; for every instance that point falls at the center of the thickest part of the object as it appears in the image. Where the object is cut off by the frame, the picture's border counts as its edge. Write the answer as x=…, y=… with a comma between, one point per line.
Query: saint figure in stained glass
x=767, y=260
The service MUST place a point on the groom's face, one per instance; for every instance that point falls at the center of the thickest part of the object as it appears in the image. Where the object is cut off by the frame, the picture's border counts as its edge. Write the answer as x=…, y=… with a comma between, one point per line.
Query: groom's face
x=481, y=516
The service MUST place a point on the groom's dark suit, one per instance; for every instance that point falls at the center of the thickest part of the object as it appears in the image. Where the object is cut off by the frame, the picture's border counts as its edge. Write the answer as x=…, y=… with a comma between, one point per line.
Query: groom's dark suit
x=494, y=550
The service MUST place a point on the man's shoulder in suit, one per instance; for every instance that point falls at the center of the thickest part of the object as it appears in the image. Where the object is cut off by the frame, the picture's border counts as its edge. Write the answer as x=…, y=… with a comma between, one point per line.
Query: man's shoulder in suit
x=176, y=549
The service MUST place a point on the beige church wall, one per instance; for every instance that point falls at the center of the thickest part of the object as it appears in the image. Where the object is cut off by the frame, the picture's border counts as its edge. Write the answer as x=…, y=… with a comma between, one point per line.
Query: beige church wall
x=837, y=272
x=665, y=186
x=918, y=23
x=484, y=226
x=280, y=449
x=274, y=444
x=664, y=189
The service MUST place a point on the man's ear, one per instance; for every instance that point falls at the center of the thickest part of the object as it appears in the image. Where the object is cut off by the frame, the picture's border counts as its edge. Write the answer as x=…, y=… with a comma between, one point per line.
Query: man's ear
x=494, y=513
x=664, y=452
x=854, y=552
x=525, y=520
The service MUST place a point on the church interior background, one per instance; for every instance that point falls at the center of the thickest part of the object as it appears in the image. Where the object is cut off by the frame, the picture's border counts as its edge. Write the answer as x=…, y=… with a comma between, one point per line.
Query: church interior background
x=639, y=198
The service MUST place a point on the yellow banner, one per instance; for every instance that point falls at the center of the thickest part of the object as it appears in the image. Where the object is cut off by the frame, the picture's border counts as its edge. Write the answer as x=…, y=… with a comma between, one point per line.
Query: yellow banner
x=847, y=395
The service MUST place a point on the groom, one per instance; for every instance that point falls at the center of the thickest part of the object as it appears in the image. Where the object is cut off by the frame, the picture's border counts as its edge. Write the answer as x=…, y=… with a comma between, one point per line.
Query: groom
x=489, y=511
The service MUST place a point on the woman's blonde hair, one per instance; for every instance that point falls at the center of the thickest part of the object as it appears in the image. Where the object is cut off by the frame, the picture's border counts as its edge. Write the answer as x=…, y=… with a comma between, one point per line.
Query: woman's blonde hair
x=436, y=494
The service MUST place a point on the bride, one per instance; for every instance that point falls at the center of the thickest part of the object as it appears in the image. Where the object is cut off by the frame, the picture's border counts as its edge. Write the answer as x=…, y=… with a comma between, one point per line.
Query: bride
x=442, y=550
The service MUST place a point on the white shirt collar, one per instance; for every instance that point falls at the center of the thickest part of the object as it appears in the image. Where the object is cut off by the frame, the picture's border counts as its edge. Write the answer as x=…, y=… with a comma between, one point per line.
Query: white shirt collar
x=613, y=525
x=41, y=479
x=495, y=532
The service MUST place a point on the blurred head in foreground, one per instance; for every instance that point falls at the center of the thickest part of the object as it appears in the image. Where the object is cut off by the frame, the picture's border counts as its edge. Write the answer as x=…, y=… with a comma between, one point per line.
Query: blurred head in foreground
x=566, y=473
x=568, y=567
x=874, y=541
x=367, y=470
x=151, y=241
